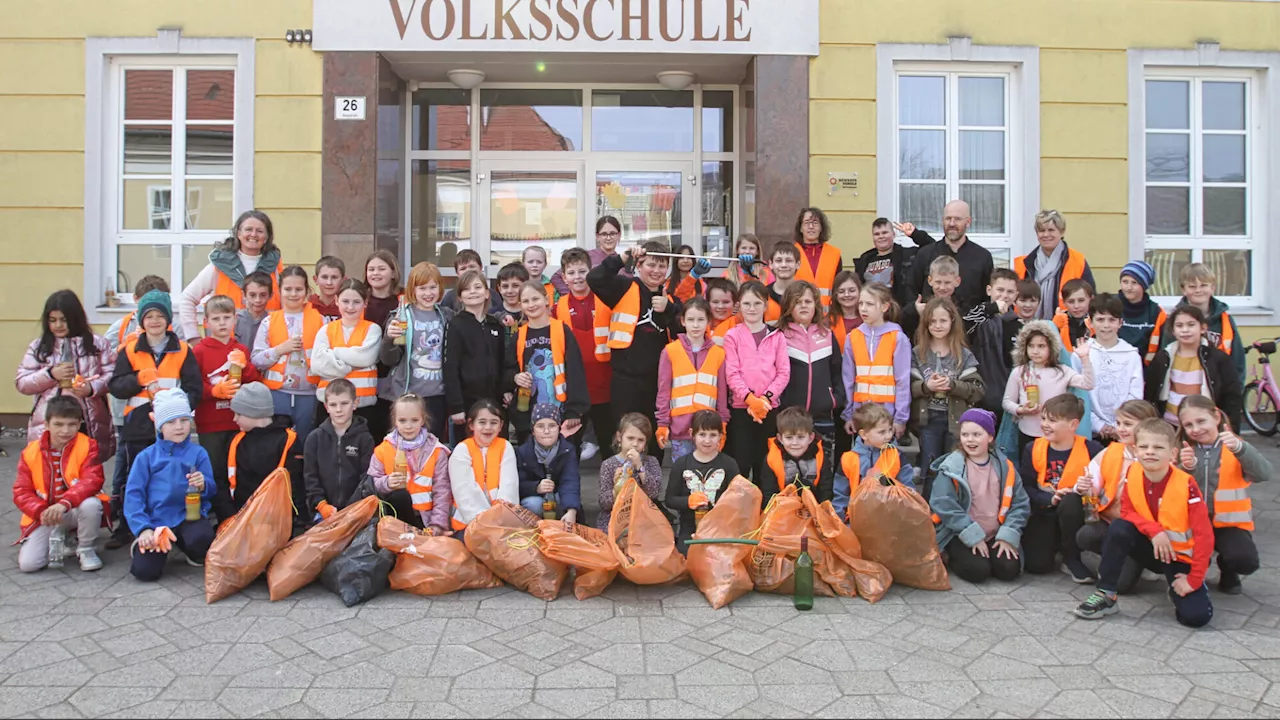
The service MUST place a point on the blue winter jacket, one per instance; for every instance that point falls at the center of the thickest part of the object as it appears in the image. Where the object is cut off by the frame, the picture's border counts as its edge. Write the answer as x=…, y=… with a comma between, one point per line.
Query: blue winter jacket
x=156, y=495
x=563, y=470
x=951, y=497
x=867, y=456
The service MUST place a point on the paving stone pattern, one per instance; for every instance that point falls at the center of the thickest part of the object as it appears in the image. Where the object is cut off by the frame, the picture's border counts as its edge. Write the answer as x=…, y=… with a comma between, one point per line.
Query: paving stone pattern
x=76, y=644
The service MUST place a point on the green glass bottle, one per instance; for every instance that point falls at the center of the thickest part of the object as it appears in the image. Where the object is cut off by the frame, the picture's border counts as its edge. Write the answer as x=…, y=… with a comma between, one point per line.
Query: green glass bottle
x=803, y=595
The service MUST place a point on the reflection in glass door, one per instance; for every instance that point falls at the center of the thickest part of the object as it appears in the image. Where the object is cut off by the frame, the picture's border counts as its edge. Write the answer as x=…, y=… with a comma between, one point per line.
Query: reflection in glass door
x=531, y=207
x=649, y=203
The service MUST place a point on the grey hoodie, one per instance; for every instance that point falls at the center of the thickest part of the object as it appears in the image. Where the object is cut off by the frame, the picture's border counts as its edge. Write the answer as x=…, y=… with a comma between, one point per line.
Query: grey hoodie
x=951, y=497
x=1253, y=466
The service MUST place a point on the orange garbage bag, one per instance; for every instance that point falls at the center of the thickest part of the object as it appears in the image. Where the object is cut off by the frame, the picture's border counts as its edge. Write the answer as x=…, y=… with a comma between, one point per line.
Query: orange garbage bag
x=303, y=559
x=642, y=539
x=439, y=565
x=586, y=549
x=773, y=570
x=722, y=572
x=895, y=526
x=397, y=535
x=246, y=543
x=505, y=539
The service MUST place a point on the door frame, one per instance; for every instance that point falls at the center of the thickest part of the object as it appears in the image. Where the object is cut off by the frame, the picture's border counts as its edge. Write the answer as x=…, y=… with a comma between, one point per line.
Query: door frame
x=690, y=199
x=482, y=198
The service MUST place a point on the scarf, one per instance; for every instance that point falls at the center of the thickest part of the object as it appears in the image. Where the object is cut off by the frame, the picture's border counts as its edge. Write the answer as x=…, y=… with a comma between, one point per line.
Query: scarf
x=228, y=261
x=544, y=454
x=1047, y=277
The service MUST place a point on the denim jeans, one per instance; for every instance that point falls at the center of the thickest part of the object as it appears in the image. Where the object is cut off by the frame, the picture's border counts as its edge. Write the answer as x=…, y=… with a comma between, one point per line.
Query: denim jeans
x=301, y=408
x=680, y=448
x=935, y=436
x=533, y=503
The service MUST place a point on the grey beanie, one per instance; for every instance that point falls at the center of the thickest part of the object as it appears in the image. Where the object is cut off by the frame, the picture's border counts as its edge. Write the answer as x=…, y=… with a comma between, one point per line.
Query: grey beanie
x=253, y=401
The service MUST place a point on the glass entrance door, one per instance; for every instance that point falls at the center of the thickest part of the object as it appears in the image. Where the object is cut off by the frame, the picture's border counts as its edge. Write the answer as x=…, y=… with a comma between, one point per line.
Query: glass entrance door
x=529, y=203
x=652, y=200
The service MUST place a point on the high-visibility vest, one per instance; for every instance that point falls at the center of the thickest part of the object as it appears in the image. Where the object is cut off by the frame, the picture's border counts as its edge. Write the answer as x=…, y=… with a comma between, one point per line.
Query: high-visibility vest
x=1063, y=322
x=1173, y=516
x=841, y=327
x=1077, y=463
x=365, y=379
x=873, y=378
x=1228, y=336
x=623, y=318
x=776, y=464
x=1231, y=504
x=134, y=334
x=1153, y=343
x=487, y=474
x=225, y=286
x=772, y=312
x=168, y=373
x=278, y=332
x=420, y=479
x=889, y=464
x=828, y=268
x=550, y=290
x=291, y=436
x=694, y=389
x=599, y=324
x=557, y=329
x=729, y=323
x=1112, y=470
x=1011, y=480
x=73, y=457
x=1072, y=269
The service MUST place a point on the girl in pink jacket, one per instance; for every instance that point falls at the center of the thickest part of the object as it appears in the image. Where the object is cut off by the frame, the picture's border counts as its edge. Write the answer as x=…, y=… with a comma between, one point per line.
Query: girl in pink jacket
x=758, y=371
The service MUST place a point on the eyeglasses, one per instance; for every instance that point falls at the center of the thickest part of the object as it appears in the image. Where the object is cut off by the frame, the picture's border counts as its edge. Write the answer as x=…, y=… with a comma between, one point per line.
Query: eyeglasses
x=608, y=235
x=812, y=222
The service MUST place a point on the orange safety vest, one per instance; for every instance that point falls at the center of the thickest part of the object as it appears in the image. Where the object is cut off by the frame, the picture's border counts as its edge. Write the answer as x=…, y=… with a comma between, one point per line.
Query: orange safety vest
x=1077, y=463
x=225, y=286
x=235, y=445
x=1072, y=269
x=841, y=328
x=1112, y=469
x=828, y=268
x=1063, y=322
x=873, y=378
x=774, y=461
x=365, y=379
x=1231, y=504
x=772, y=312
x=278, y=332
x=557, y=329
x=1173, y=508
x=420, y=479
x=1006, y=497
x=599, y=324
x=73, y=457
x=717, y=335
x=623, y=319
x=889, y=463
x=169, y=372
x=694, y=389
x=550, y=290
x=1228, y=336
x=487, y=475
x=1153, y=344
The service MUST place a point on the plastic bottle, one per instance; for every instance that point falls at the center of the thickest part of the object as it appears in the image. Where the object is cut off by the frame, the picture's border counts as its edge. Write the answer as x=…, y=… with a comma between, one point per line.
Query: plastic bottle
x=193, y=502
x=803, y=594
x=522, y=399
x=57, y=547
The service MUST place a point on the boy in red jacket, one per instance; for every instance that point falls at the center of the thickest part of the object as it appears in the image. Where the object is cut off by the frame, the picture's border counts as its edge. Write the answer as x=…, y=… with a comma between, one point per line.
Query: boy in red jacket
x=216, y=354
x=59, y=487
x=588, y=317
x=1164, y=524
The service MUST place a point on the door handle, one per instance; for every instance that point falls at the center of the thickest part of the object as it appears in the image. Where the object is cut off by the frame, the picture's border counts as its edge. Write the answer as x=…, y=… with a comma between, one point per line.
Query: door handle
x=693, y=179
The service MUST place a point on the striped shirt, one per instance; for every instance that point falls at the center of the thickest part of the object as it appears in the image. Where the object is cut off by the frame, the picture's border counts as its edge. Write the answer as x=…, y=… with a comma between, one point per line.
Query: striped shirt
x=1186, y=377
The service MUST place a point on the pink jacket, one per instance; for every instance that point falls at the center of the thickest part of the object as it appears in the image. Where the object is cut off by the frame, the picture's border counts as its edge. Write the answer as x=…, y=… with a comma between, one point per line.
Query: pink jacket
x=33, y=378
x=680, y=425
x=764, y=370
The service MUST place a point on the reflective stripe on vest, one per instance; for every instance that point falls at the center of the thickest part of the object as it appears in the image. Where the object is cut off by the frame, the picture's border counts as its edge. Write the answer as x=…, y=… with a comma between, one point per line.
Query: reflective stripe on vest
x=773, y=460
x=365, y=379
x=623, y=318
x=73, y=457
x=1072, y=269
x=1153, y=344
x=1231, y=504
x=420, y=479
x=278, y=333
x=1076, y=465
x=557, y=332
x=168, y=373
x=889, y=464
x=874, y=380
x=828, y=268
x=694, y=389
x=487, y=475
x=235, y=445
x=599, y=324
x=1173, y=508
x=225, y=286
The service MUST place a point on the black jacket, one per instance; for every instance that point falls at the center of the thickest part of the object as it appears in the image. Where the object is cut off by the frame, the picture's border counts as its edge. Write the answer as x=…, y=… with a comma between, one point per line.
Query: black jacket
x=138, y=428
x=991, y=342
x=563, y=472
x=473, y=351
x=640, y=361
x=257, y=456
x=577, y=398
x=333, y=468
x=1219, y=373
x=975, y=263
x=903, y=259
x=816, y=387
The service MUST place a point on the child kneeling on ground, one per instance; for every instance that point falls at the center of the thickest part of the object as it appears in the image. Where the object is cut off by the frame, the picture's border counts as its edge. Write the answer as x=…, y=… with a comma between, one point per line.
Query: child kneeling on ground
x=796, y=457
x=697, y=478
x=548, y=467
x=265, y=443
x=59, y=488
x=155, y=499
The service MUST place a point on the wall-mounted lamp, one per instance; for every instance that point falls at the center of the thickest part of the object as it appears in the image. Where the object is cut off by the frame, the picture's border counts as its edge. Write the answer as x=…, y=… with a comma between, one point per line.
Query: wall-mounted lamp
x=675, y=79
x=302, y=37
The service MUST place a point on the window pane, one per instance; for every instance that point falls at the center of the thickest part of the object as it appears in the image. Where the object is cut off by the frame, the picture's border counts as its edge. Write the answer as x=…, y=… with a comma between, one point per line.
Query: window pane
x=531, y=120
x=210, y=204
x=922, y=100
x=211, y=94
x=717, y=121
x=986, y=207
x=1168, y=211
x=146, y=205
x=135, y=261
x=1167, y=105
x=442, y=119
x=981, y=155
x=642, y=120
x=1224, y=211
x=1223, y=104
x=922, y=154
x=148, y=95
x=921, y=204
x=1000, y=257
x=148, y=150
x=532, y=207
x=1168, y=157
x=1167, y=264
x=1234, y=270
x=646, y=202
x=440, y=210
x=210, y=149
x=1224, y=158
x=194, y=259
x=982, y=101
x=717, y=208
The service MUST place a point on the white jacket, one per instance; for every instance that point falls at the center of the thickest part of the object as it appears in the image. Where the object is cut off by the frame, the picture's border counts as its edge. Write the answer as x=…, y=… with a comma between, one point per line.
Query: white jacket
x=469, y=498
x=201, y=287
x=332, y=363
x=1117, y=378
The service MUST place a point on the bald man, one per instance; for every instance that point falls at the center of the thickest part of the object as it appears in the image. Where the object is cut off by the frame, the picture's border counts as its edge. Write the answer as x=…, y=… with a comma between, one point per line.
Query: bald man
x=974, y=260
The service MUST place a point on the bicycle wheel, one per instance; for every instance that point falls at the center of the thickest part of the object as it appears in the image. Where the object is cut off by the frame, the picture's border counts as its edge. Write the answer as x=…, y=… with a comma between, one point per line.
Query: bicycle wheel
x=1259, y=409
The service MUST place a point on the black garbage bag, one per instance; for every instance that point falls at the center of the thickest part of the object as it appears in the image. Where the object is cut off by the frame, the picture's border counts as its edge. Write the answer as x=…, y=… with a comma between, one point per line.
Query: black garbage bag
x=362, y=570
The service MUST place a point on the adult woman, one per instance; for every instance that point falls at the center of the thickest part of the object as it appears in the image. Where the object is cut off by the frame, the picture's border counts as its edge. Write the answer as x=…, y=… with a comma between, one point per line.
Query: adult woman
x=250, y=247
x=68, y=359
x=608, y=233
x=1055, y=265
x=819, y=260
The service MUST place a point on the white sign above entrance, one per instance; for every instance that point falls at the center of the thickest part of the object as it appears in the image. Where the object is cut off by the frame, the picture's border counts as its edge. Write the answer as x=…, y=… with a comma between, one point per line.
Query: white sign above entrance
x=727, y=27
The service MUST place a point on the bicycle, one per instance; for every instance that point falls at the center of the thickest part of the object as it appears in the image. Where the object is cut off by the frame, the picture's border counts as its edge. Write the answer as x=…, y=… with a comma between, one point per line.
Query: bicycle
x=1262, y=395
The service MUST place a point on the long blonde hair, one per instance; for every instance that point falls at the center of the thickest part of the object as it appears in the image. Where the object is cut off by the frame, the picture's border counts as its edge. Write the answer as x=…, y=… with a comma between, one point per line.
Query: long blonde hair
x=955, y=338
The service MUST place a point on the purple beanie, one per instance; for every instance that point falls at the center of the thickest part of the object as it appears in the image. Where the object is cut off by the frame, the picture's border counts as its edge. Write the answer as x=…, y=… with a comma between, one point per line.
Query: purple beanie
x=984, y=419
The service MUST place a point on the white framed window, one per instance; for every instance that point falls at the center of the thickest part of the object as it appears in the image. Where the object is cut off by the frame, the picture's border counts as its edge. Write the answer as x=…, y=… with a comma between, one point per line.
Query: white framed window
x=168, y=157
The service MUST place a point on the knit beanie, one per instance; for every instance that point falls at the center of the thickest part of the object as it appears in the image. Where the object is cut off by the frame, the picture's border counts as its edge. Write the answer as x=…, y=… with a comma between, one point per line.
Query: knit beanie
x=253, y=401
x=169, y=405
x=155, y=300
x=984, y=419
x=1140, y=271
x=544, y=411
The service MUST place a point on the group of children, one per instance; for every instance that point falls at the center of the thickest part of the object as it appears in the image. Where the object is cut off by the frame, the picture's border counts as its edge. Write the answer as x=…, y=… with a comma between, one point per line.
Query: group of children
x=787, y=372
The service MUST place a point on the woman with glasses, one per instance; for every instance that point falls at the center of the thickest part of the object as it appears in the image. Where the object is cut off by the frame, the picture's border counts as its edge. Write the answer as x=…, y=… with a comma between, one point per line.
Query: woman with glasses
x=251, y=247
x=820, y=262
x=608, y=233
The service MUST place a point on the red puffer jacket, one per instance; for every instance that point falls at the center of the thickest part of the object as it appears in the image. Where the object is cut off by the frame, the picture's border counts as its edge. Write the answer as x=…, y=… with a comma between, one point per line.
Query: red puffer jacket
x=24, y=491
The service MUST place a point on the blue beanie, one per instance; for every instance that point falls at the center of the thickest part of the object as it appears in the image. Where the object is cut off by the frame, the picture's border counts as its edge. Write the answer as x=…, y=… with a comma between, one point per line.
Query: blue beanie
x=169, y=405
x=155, y=300
x=1140, y=271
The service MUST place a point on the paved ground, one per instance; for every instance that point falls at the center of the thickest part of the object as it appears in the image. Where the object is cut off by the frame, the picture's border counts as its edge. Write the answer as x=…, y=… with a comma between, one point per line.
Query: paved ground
x=75, y=644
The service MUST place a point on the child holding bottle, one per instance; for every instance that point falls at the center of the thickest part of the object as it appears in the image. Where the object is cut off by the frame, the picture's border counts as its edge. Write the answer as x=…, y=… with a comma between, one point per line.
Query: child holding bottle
x=1038, y=376
x=482, y=468
x=413, y=347
x=282, y=351
x=691, y=377
x=544, y=365
x=629, y=444
x=757, y=370
x=548, y=467
x=410, y=468
x=348, y=348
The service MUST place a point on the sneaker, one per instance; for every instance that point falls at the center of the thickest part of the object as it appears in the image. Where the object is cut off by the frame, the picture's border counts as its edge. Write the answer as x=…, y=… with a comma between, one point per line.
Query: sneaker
x=120, y=538
x=1096, y=607
x=89, y=560
x=905, y=440
x=194, y=563
x=1229, y=583
x=589, y=450
x=1080, y=574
